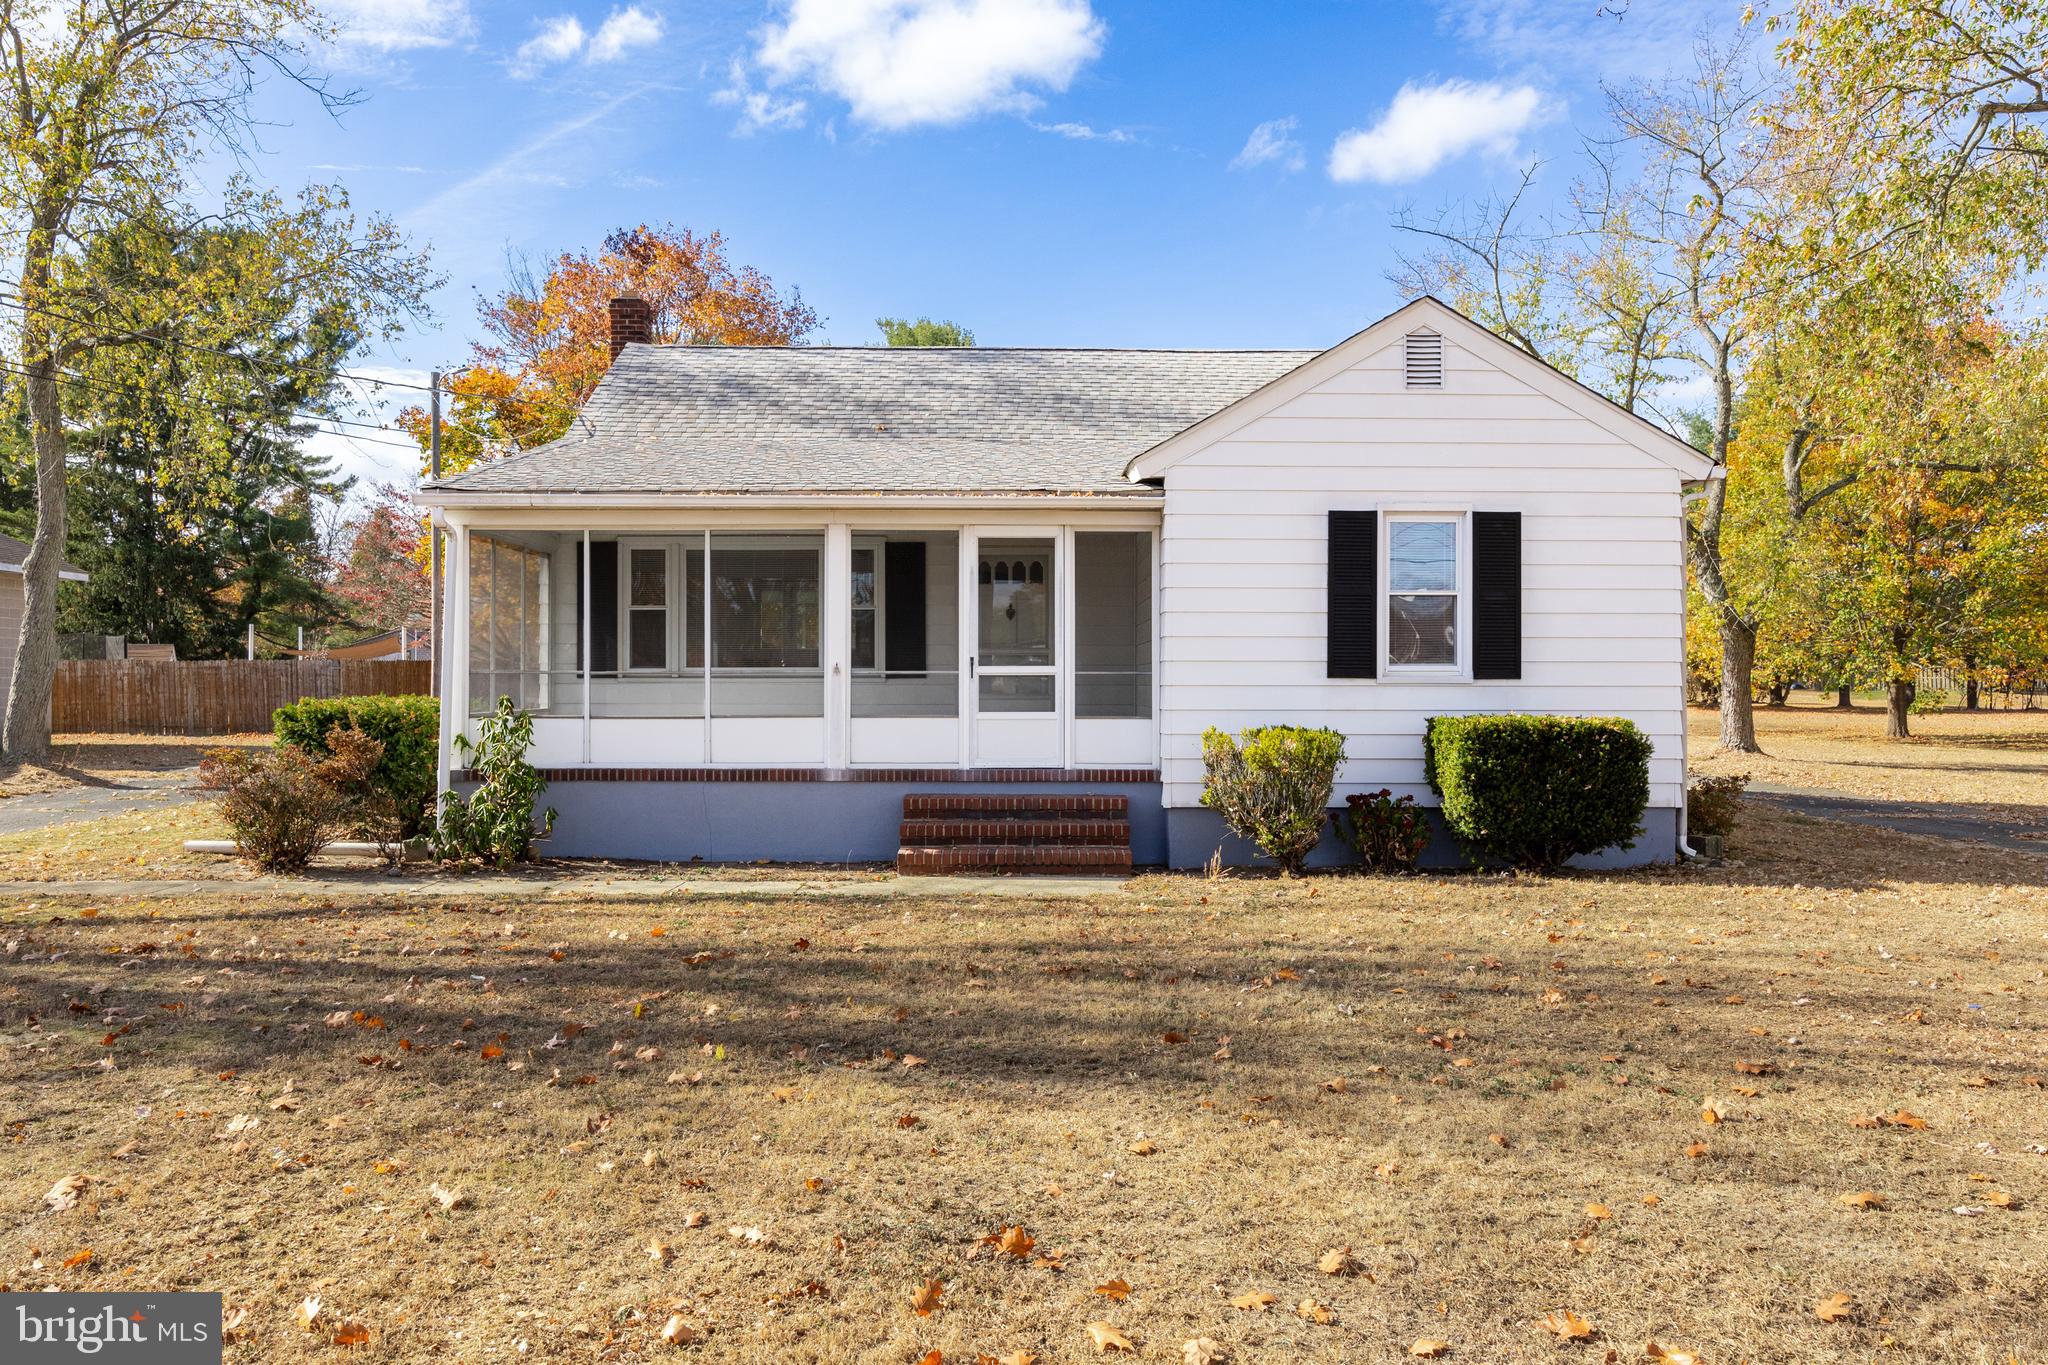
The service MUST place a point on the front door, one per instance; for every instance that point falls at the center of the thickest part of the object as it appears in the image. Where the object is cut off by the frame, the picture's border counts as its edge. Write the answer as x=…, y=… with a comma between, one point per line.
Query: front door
x=1016, y=690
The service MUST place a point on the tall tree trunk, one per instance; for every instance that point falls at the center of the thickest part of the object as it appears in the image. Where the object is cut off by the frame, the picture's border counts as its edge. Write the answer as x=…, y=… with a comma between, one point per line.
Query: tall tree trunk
x=1738, y=656
x=25, y=732
x=1897, y=704
x=1970, y=697
x=1844, y=697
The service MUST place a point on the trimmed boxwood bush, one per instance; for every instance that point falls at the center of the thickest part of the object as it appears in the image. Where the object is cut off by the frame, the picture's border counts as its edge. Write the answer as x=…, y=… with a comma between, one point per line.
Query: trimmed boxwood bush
x=408, y=727
x=1272, y=786
x=1533, y=791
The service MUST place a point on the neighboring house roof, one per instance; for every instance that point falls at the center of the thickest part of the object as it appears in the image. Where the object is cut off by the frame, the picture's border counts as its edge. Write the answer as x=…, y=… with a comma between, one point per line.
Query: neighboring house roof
x=14, y=554
x=872, y=420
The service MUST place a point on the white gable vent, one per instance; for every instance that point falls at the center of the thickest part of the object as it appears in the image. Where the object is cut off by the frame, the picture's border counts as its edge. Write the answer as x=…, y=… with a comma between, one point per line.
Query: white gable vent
x=1424, y=360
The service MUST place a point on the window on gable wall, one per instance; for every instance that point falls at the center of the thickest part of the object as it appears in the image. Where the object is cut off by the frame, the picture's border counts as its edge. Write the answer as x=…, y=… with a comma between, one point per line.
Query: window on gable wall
x=1422, y=592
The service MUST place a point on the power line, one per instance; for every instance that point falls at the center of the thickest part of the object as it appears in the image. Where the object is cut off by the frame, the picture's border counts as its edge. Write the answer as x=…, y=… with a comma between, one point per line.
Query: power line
x=80, y=382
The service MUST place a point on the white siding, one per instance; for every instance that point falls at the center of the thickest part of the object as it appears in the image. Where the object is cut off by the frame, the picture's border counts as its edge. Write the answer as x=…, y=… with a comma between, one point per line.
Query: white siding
x=1242, y=590
x=10, y=628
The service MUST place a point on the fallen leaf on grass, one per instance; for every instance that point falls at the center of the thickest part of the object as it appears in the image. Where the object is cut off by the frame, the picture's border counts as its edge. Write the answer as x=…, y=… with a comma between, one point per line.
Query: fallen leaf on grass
x=1143, y=1147
x=82, y=1258
x=1834, y=1308
x=1696, y=1150
x=1566, y=1325
x=1711, y=1110
x=1202, y=1351
x=1655, y=1351
x=696, y=1218
x=1428, y=1348
x=309, y=1311
x=924, y=1300
x=751, y=1235
x=1338, y=1261
x=1599, y=1212
x=1015, y=1242
x=677, y=1331
x=660, y=1252
x=1116, y=1290
x=1755, y=1069
x=1107, y=1338
x=1315, y=1312
x=1999, y=1199
x=66, y=1192
x=1254, y=1300
x=1861, y=1199
x=445, y=1197
x=352, y=1334
x=1336, y=1085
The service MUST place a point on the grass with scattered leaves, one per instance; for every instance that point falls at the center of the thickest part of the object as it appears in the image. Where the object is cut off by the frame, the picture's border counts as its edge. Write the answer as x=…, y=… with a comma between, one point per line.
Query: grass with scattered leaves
x=1991, y=758
x=823, y=1130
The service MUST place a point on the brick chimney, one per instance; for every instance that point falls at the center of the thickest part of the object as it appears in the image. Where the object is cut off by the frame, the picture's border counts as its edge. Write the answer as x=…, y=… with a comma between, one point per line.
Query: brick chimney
x=632, y=319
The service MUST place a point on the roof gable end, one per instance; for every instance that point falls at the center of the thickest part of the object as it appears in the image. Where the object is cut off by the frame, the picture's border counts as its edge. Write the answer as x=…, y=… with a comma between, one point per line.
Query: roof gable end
x=1434, y=315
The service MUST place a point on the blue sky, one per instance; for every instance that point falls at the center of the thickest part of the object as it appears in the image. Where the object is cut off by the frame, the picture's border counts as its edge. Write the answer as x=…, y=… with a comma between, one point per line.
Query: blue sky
x=1046, y=172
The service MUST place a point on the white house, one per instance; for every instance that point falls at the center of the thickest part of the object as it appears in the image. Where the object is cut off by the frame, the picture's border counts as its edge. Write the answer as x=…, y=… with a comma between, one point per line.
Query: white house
x=978, y=605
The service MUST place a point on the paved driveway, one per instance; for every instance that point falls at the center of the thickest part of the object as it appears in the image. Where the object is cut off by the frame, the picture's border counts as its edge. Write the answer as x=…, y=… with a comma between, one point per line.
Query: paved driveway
x=38, y=810
x=2021, y=829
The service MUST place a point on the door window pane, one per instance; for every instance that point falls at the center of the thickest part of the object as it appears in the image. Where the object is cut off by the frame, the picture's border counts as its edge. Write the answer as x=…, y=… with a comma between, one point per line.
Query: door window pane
x=1112, y=625
x=1016, y=603
x=1422, y=630
x=1003, y=693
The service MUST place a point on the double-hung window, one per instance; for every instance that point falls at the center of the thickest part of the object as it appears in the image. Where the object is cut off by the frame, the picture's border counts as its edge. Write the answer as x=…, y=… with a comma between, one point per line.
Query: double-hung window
x=645, y=604
x=1424, y=553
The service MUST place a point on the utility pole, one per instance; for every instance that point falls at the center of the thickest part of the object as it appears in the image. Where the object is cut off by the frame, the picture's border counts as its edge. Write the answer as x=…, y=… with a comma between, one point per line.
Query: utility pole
x=434, y=538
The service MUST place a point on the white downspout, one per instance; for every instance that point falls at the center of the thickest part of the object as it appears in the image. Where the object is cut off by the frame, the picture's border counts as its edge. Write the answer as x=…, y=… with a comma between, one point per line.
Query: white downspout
x=1684, y=708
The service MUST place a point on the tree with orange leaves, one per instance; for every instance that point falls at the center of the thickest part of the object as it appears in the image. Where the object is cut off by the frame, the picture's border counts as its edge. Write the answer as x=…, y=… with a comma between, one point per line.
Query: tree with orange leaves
x=548, y=339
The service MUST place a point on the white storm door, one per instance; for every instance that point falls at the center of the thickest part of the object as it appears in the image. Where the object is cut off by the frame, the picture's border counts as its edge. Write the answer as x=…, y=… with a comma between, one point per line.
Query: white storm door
x=1017, y=703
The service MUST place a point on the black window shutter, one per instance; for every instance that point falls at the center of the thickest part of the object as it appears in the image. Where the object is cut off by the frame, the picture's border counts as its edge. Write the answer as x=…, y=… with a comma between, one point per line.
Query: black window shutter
x=903, y=604
x=1496, y=594
x=604, y=606
x=1353, y=643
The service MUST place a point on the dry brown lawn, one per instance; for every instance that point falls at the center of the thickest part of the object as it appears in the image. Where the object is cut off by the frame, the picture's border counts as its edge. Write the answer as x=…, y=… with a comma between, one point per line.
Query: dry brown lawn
x=87, y=760
x=1992, y=758
x=1196, y=1087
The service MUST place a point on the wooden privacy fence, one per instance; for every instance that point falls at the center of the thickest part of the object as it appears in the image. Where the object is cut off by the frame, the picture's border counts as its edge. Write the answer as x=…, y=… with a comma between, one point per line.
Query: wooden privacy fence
x=202, y=697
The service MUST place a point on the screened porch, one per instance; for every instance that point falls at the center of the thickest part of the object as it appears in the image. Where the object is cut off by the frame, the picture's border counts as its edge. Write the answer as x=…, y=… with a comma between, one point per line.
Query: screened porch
x=843, y=646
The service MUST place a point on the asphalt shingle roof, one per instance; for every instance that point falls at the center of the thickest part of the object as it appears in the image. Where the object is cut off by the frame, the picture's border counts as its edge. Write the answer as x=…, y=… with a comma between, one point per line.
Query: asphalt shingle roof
x=826, y=419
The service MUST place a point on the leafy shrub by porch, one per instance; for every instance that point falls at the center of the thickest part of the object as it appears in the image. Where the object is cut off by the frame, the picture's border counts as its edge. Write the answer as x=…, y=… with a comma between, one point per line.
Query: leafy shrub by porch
x=1272, y=786
x=1534, y=791
x=408, y=727
x=495, y=824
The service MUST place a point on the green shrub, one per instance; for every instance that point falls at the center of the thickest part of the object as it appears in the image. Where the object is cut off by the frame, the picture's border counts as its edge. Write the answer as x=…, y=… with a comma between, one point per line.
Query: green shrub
x=283, y=805
x=1272, y=786
x=495, y=823
x=409, y=728
x=1388, y=833
x=1534, y=791
x=1712, y=804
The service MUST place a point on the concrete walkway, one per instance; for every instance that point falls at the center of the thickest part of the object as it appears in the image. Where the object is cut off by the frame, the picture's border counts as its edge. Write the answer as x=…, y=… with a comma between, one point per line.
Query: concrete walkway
x=575, y=886
x=1993, y=825
x=40, y=810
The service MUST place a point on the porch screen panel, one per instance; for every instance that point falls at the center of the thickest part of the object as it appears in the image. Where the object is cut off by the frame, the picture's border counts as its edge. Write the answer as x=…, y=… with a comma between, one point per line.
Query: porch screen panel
x=648, y=629
x=510, y=635
x=1113, y=625
x=905, y=627
x=766, y=594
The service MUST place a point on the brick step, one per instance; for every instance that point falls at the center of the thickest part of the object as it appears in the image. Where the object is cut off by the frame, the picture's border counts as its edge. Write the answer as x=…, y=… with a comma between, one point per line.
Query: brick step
x=978, y=859
x=941, y=805
x=1015, y=829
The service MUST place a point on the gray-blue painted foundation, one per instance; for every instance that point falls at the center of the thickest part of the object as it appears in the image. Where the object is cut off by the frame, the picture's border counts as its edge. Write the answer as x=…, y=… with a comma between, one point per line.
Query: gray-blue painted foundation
x=856, y=822
x=1195, y=834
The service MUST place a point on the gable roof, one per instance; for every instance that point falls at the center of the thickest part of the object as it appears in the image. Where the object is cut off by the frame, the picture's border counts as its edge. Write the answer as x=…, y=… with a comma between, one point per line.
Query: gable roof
x=14, y=554
x=1429, y=312
x=871, y=420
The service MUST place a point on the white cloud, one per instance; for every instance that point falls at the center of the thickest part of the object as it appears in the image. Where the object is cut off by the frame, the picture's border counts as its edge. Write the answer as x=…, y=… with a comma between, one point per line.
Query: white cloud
x=625, y=30
x=559, y=39
x=1271, y=141
x=400, y=25
x=1082, y=132
x=902, y=63
x=758, y=108
x=1427, y=125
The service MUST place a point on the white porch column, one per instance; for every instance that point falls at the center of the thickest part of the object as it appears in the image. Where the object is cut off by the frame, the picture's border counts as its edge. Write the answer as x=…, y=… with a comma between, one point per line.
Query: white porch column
x=969, y=633
x=835, y=642
x=452, y=649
